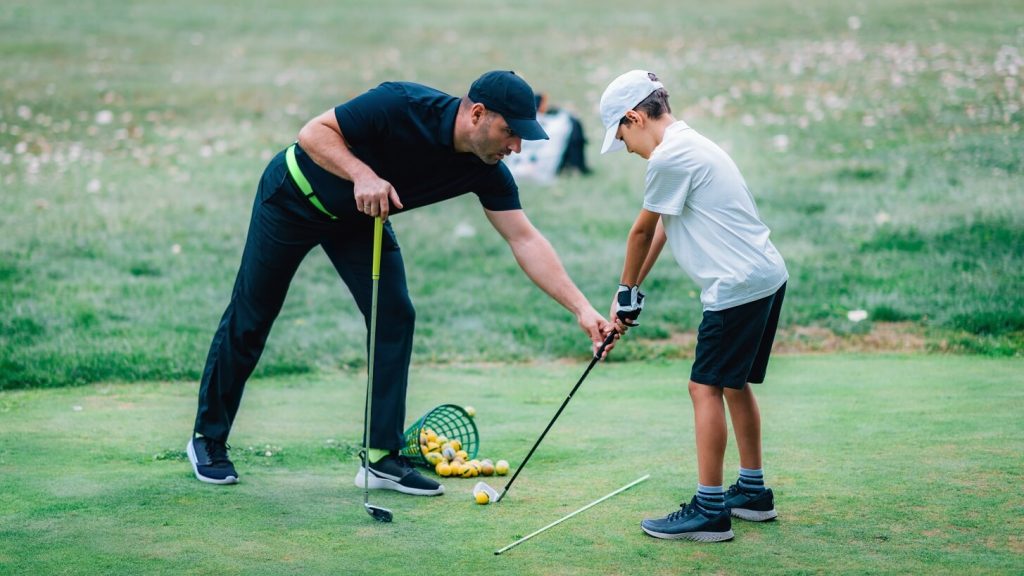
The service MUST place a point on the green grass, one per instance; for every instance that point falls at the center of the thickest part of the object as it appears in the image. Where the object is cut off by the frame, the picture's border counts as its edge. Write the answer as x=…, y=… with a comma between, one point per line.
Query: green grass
x=881, y=465
x=881, y=141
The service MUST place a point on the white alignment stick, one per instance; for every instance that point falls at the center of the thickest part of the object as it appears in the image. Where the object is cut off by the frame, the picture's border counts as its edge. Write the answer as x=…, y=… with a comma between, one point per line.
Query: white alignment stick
x=563, y=519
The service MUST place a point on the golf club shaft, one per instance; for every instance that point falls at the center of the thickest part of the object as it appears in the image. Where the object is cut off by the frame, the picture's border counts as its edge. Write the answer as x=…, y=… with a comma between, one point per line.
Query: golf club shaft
x=378, y=231
x=597, y=356
x=564, y=518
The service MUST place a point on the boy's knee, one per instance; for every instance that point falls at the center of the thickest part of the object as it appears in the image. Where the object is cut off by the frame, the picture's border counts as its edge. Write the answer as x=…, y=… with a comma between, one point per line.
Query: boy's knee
x=739, y=394
x=700, y=391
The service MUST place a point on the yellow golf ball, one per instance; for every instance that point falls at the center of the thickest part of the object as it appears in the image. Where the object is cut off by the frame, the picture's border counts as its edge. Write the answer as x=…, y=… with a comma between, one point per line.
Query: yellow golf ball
x=481, y=497
x=443, y=469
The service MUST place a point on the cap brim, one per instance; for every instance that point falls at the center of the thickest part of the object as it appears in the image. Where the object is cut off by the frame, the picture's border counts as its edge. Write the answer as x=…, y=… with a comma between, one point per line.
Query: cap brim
x=611, y=143
x=527, y=128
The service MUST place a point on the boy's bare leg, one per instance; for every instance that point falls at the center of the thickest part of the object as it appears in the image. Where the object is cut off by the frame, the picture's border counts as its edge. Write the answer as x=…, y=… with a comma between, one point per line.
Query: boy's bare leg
x=706, y=518
x=746, y=425
x=712, y=433
x=751, y=500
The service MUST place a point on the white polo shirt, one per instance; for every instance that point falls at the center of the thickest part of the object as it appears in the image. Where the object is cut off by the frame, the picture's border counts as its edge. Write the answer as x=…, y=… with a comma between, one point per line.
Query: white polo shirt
x=711, y=221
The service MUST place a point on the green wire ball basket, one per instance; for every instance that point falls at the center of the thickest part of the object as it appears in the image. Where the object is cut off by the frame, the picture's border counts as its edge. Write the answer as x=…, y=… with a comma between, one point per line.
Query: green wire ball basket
x=445, y=420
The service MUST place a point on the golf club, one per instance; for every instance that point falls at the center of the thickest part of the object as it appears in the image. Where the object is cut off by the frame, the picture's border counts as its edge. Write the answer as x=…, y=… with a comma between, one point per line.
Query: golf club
x=566, y=517
x=378, y=513
x=492, y=494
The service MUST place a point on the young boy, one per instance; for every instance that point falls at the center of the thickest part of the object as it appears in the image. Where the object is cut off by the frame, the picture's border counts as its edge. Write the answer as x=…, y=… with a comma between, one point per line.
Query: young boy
x=696, y=199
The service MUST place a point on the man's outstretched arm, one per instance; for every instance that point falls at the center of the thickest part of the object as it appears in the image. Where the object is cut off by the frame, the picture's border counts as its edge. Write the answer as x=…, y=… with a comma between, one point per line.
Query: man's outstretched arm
x=538, y=259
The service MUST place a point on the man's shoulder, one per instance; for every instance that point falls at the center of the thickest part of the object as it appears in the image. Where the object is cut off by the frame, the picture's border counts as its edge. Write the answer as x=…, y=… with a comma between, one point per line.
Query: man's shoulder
x=406, y=87
x=416, y=94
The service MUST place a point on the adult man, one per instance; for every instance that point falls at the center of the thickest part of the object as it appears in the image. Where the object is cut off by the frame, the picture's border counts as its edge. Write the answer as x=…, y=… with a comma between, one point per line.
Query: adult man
x=394, y=148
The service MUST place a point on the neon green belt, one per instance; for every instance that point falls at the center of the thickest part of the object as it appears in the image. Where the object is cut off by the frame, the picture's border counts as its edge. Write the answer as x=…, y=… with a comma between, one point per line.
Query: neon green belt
x=302, y=183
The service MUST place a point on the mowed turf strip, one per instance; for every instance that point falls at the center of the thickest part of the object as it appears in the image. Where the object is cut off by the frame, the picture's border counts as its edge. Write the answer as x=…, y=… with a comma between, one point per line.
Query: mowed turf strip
x=881, y=464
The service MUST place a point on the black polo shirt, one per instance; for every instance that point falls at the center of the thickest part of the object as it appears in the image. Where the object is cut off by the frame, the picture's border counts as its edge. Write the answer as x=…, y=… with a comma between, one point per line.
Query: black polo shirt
x=403, y=131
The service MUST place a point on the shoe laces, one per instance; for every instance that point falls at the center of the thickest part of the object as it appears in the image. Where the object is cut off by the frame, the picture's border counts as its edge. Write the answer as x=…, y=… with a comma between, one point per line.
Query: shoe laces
x=736, y=489
x=217, y=451
x=684, y=510
x=402, y=461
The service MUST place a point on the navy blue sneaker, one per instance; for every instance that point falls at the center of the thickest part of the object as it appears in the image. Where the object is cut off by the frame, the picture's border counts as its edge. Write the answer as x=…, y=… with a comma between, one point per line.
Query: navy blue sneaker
x=751, y=506
x=690, y=523
x=210, y=461
x=395, y=472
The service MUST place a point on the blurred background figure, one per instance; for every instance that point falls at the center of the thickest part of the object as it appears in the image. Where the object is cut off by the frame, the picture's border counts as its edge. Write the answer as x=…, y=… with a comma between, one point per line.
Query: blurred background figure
x=562, y=153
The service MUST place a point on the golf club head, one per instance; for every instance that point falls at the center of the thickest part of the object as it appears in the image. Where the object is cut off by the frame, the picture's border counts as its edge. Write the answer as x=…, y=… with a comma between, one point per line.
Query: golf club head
x=379, y=514
x=492, y=494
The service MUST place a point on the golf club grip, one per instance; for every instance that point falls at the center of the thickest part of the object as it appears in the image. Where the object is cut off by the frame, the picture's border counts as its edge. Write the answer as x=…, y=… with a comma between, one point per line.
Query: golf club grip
x=607, y=340
x=378, y=235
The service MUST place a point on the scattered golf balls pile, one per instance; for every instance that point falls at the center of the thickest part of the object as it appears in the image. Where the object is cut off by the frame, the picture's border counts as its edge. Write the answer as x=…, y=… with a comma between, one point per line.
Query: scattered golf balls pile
x=450, y=460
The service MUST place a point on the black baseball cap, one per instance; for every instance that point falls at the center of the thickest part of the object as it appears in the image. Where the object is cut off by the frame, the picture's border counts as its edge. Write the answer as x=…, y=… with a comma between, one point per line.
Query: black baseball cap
x=503, y=92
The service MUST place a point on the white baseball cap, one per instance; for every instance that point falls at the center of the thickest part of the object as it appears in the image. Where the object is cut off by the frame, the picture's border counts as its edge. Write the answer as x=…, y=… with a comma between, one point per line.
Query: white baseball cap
x=621, y=96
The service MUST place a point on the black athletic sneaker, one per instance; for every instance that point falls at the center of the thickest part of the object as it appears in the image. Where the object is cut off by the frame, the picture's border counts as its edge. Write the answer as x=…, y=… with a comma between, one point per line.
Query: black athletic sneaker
x=690, y=523
x=210, y=462
x=395, y=472
x=752, y=506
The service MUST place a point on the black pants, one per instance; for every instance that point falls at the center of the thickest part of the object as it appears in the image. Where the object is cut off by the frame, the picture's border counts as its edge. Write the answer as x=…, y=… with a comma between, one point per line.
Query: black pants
x=284, y=228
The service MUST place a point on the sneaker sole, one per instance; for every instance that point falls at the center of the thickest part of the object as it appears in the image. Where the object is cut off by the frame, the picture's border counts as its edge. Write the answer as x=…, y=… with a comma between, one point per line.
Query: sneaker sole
x=195, y=469
x=378, y=483
x=694, y=536
x=754, y=515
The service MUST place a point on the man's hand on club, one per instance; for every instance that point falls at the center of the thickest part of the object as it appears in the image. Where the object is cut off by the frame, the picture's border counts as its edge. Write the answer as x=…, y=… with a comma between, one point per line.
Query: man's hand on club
x=597, y=329
x=374, y=196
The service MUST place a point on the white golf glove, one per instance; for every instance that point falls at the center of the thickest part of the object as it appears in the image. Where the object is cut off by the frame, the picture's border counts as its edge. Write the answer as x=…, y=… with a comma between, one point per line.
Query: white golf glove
x=629, y=301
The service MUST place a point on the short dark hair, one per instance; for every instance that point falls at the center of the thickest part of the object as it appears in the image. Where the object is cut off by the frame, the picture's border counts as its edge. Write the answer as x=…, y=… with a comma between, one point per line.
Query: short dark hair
x=654, y=105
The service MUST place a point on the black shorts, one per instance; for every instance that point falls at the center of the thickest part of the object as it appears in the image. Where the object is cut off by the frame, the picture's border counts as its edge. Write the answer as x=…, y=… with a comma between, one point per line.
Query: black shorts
x=733, y=345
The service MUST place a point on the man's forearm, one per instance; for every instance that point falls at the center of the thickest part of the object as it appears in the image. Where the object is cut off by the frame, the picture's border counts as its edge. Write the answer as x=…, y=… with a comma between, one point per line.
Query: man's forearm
x=541, y=264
